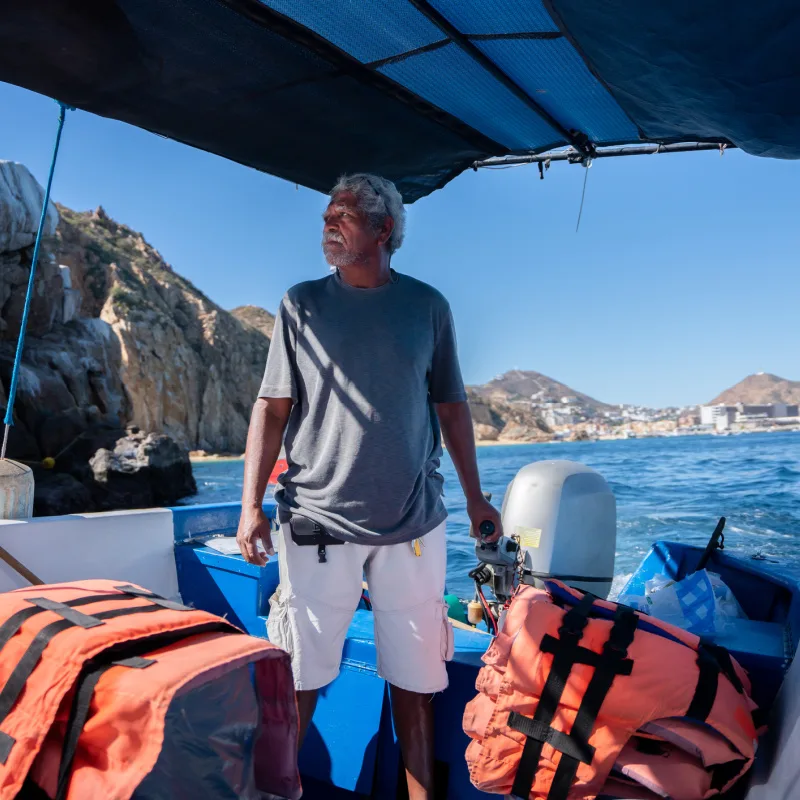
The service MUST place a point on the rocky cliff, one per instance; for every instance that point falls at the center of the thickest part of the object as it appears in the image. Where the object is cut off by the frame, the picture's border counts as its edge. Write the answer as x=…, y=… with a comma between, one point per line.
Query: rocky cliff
x=116, y=338
x=190, y=369
x=144, y=345
x=497, y=421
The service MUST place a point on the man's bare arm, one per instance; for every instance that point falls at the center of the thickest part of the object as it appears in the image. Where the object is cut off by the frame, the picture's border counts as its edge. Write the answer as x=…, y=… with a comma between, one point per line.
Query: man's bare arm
x=457, y=431
x=264, y=438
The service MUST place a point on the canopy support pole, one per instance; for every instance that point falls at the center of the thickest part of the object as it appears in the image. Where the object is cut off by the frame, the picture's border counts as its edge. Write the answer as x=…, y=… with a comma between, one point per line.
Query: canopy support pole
x=12, y=392
x=576, y=157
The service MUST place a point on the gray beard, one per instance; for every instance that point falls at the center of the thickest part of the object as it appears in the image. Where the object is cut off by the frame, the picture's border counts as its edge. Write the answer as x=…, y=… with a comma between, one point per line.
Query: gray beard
x=340, y=258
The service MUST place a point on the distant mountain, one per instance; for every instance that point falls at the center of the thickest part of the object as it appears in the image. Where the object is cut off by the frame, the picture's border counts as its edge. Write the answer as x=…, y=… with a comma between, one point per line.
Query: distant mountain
x=256, y=317
x=526, y=385
x=759, y=389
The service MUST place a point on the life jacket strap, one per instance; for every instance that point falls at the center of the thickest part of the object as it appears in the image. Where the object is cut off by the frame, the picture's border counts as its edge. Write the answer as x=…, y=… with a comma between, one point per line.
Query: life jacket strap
x=12, y=625
x=723, y=658
x=613, y=662
x=569, y=634
x=574, y=747
x=705, y=692
x=583, y=655
x=63, y=610
x=558, y=740
x=135, y=591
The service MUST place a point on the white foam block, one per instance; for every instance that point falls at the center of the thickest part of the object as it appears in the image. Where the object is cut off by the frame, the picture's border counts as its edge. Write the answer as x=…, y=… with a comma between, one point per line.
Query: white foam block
x=128, y=546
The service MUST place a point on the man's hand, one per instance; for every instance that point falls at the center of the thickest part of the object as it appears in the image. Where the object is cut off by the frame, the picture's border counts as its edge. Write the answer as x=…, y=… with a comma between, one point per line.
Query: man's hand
x=254, y=525
x=481, y=510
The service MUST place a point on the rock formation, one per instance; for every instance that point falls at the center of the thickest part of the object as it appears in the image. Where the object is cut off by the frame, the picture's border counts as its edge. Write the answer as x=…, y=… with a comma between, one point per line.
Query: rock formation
x=190, y=369
x=21, y=199
x=115, y=338
x=497, y=421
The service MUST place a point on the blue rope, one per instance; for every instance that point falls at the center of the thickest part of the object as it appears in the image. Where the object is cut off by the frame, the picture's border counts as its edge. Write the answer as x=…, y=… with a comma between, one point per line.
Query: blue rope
x=12, y=392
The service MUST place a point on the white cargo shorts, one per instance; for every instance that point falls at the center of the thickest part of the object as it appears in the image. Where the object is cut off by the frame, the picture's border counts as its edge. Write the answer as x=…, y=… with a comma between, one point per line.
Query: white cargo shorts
x=314, y=605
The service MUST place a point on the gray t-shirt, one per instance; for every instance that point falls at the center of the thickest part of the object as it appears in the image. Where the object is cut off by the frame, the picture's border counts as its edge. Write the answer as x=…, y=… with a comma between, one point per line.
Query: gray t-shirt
x=364, y=367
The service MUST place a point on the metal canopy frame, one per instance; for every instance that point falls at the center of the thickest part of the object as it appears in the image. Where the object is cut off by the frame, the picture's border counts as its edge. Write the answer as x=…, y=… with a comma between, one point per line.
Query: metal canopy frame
x=573, y=156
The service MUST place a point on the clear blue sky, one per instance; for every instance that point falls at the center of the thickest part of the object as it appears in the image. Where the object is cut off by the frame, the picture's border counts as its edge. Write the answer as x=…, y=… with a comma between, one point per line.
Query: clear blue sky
x=682, y=280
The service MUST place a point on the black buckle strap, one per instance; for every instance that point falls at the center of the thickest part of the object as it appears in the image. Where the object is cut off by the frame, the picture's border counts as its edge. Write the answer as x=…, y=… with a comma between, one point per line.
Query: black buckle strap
x=614, y=661
x=123, y=654
x=583, y=655
x=547, y=735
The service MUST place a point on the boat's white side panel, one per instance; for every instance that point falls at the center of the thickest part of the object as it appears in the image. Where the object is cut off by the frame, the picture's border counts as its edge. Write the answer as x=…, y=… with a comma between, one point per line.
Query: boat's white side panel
x=128, y=546
x=776, y=775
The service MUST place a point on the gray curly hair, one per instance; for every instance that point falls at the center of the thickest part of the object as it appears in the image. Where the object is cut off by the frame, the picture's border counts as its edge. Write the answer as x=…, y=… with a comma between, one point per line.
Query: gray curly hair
x=378, y=198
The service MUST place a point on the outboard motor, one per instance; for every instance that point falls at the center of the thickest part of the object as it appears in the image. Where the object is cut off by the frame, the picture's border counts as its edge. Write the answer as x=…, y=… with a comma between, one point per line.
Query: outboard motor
x=559, y=521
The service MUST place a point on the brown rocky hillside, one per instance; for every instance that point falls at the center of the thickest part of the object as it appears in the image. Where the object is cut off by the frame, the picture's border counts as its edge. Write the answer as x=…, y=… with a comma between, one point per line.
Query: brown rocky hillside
x=496, y=421
x=129, y=342
x=759, y=389
x=525, y=385
x=256, y=317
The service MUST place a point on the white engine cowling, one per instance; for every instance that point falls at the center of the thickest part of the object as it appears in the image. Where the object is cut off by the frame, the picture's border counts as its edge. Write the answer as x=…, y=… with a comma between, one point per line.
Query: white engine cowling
x=565, y=516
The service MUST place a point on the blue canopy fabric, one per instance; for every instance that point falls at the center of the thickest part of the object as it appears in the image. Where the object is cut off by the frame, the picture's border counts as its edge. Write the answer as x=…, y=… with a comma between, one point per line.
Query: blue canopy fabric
x=417, y=90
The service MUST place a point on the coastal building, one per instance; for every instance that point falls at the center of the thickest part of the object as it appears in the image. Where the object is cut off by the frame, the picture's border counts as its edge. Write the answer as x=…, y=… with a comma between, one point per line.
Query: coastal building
x=718, y=416
x=722, y=417
x=766, y=411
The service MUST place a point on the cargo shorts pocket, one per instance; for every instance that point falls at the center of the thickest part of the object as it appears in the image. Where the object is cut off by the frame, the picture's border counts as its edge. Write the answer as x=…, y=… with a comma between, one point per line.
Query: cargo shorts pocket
x=279, y=626
x=447, y=641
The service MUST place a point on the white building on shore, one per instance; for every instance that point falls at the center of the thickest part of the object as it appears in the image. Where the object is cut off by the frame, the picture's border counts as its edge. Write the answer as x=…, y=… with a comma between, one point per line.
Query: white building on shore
x=722, y=416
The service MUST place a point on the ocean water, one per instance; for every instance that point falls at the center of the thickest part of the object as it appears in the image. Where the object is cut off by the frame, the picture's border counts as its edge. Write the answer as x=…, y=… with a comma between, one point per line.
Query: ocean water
x=670, y=488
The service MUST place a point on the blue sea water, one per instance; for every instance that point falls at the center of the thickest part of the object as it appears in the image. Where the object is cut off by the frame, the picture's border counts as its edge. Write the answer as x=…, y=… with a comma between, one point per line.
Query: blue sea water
x=666, y=488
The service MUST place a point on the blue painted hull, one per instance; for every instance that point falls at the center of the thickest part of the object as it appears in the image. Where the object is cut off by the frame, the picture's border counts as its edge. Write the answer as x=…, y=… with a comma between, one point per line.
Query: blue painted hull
x=351, y=749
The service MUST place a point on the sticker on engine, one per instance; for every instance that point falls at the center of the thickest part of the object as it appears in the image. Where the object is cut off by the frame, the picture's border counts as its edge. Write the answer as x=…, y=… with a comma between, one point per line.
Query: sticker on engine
x=528, y=537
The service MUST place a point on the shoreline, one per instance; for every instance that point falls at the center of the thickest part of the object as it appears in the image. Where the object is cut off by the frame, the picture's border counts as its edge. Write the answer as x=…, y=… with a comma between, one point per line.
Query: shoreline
x=211, y=457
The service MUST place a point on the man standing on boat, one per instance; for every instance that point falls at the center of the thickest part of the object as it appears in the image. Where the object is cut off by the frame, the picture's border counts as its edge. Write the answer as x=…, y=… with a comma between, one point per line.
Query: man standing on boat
x=363, y=379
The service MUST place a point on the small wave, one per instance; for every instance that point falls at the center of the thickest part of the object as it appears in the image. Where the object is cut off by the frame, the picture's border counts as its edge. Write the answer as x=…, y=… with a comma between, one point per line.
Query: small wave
x=618, y=584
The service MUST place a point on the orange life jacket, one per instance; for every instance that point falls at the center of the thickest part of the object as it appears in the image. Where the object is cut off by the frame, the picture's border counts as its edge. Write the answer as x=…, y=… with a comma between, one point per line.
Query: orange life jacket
x=88, y=670
x=577, y=691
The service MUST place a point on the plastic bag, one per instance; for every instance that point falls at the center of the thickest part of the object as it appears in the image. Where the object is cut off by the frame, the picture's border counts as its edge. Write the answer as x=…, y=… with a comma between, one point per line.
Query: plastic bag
x=700, y=603
x=727, y=607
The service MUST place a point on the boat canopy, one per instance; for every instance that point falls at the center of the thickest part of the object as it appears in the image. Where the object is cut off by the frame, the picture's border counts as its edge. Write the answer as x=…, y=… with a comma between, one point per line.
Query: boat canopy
x=417, y=90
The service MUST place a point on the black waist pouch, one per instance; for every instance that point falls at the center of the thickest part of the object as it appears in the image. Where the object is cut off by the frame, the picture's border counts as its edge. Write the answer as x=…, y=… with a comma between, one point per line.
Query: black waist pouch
x=307, y=533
